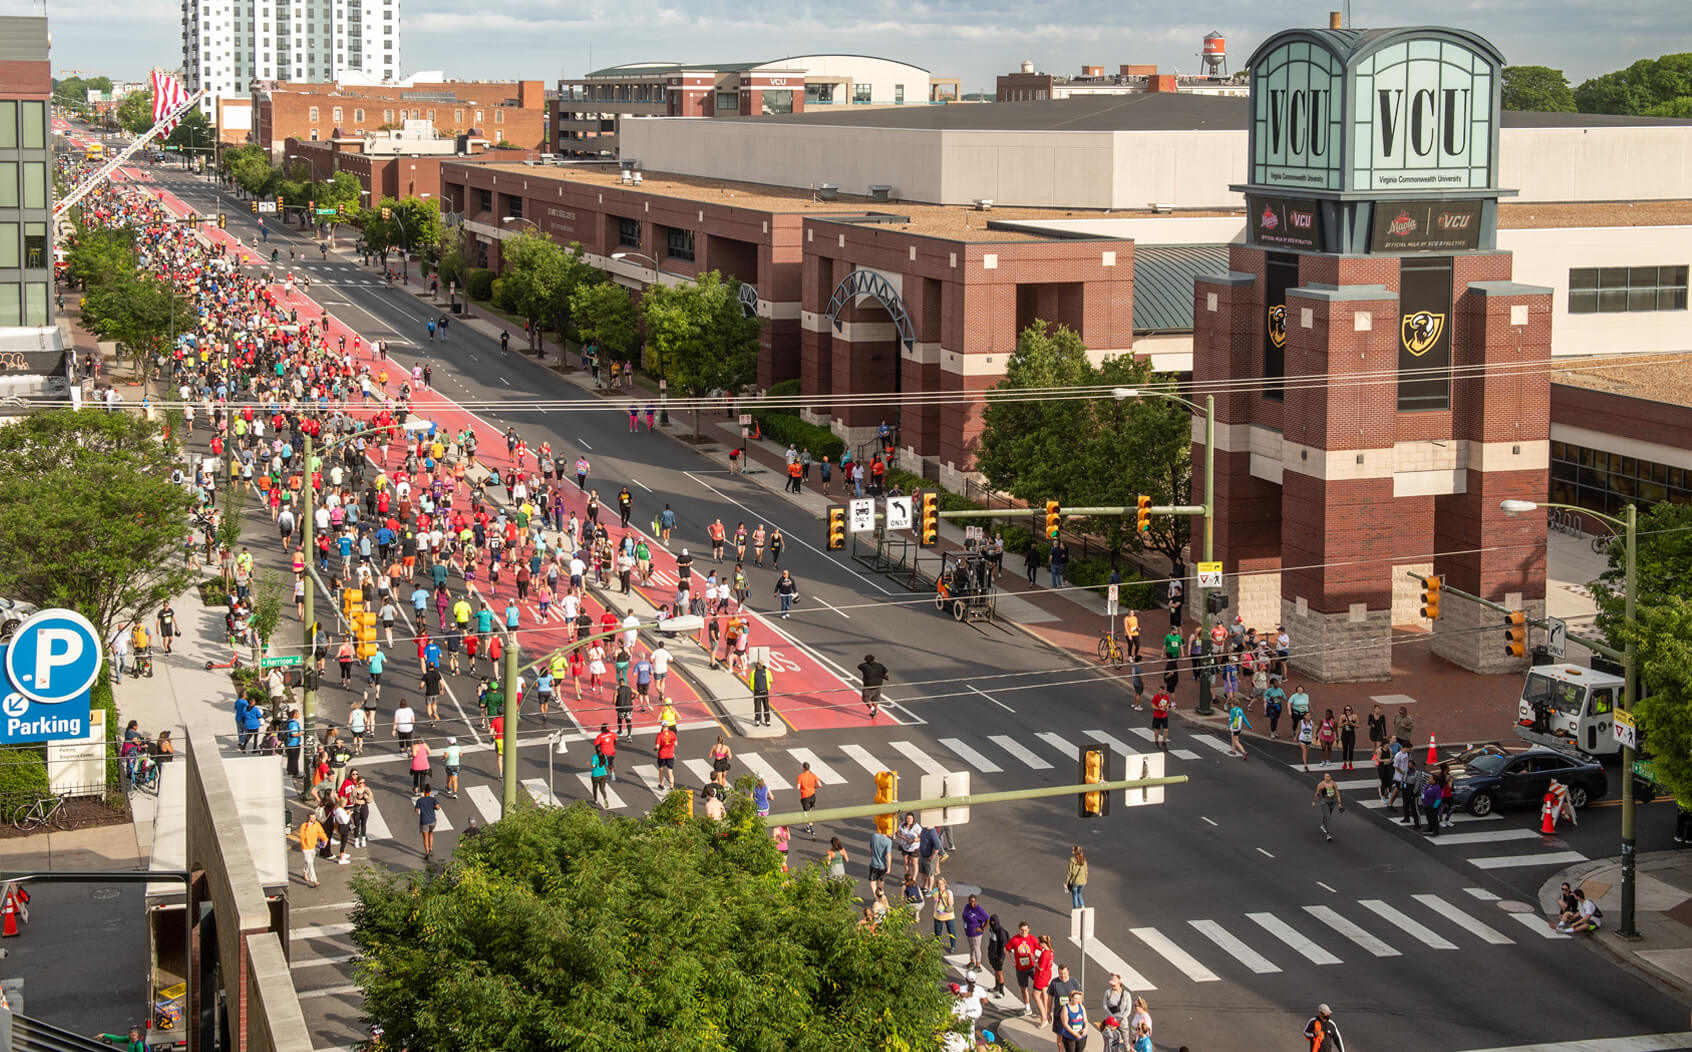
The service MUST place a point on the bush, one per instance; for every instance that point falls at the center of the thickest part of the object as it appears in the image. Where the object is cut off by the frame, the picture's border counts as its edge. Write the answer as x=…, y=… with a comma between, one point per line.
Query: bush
x=102, y=699
x=1089, y=572
x=496, y=294
x=23, y=776
x=1017, y=538
x=787, y=428
x=479, y=285
x=1133, y=594
x=784, y=389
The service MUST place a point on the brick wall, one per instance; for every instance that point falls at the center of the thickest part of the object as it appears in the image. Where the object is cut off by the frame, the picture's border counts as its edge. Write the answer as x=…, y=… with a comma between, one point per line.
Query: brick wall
x=513, y=111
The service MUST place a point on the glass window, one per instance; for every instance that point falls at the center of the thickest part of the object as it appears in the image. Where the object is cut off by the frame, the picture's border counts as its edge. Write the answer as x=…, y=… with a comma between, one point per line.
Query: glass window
x=11, y=300
x=8, y=184
x=9, y=233
x=728, y=102
x=777, y=101
x=34, y=125
x=335, y=114
x=860, y=93
x=312, y=113
x=8, y=125
x=628, y=233
x=35, y=245
x=35, y=303
x=898, y=93
x=34, y=184
x=1606, y=290
x=678, y=244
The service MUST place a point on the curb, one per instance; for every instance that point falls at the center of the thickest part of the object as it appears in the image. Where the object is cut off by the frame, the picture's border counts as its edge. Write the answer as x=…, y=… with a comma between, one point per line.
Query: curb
x=1605, y=941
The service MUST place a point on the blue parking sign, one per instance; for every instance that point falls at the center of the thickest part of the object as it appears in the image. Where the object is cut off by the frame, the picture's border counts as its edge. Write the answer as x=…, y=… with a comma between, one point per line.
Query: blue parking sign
x=50, y=665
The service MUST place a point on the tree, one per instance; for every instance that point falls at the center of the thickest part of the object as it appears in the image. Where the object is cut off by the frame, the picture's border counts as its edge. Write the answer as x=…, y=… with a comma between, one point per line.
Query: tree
x=563, y=928
x=532, y=269
x=1537, y=88
x=1638, y=88
x=135, y=112
x=142, y=313
x=605, y=316
x=267, y=598
x=1662, y=640
x=99, y=254
x=1680, y=109
x=410, y=225
x=193, y=133
x=1087, y=452
x=89, y=517
x=1664, y=564
x=702, y=338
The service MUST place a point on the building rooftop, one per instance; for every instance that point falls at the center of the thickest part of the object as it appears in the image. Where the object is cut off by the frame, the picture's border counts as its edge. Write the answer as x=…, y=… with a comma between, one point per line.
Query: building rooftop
x=1653, y=377
x=1547, y=215
x=1163, y=283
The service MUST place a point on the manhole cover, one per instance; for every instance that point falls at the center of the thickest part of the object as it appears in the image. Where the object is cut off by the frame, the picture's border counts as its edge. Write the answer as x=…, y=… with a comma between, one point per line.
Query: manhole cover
x=102, y=894
x=1512, y=906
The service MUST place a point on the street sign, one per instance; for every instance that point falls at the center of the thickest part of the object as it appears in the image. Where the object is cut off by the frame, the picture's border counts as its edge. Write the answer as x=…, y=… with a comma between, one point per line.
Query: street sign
x=328, y=211
x=50, y=666
x=935, y=786
x=1081, y=923
x=1210, y=575
x=267, y=208
x=898, y=513
x=284, y=661
x=1556, y=636
x=860, y=515
x=1627, y=732
x=1143, y=765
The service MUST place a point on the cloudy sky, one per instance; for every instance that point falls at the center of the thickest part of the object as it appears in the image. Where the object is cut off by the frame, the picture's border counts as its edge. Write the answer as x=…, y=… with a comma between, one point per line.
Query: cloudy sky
x=969, y=39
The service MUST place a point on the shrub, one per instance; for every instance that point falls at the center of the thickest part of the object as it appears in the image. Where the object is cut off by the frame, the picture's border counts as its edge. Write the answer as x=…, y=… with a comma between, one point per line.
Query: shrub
x=789, y=429
x=1018, y=538
x=479, y=285
x=496, y=294
x=784, y=389
x=101, y=698
x=23, y=776
x=1088, y=572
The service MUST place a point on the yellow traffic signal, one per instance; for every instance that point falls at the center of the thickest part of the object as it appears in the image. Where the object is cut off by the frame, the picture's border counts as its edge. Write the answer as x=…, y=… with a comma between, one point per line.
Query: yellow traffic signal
x=1054, y=519
x=311, y=205
x=1142, y=517
x=836, y=525
x=887, y=792
x=253, y=207
x=1430, y=597
x=280, y=201
x=929, y=535
x=387, y=213
x=1515, y=633
x=222, y=221
x=1094, y=760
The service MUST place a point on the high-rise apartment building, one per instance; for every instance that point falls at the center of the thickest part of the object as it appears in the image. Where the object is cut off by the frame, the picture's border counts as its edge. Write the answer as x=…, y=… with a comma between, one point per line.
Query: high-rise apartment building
x=26, y=175
x=228, y=44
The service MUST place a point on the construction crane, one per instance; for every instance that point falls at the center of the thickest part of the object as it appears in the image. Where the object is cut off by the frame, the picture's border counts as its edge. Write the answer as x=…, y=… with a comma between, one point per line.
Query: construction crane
x=120, y=158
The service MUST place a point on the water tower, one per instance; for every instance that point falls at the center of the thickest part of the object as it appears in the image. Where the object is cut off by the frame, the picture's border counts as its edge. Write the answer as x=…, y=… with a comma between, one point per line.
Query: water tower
x=1215, y=55
x=1027, y=65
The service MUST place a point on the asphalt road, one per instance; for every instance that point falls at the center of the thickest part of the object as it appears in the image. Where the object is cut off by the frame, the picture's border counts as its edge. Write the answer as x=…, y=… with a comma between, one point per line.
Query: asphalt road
x=1232, y=912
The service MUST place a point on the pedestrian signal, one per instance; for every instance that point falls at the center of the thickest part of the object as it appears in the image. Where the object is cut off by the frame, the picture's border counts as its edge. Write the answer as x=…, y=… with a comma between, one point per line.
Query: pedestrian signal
x=836, y=529
x=1054, y=520
x=887, y=792
x=1094, y=764
x=929, y=534
x=1515, y=634
x=1430, y=597
x=387, y=213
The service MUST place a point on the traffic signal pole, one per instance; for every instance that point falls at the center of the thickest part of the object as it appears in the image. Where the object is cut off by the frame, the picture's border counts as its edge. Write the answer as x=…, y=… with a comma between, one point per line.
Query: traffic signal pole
x=831, y=814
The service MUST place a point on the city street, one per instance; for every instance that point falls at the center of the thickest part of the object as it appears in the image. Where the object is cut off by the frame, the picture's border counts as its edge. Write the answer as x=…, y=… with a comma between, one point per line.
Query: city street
x=1224, y=906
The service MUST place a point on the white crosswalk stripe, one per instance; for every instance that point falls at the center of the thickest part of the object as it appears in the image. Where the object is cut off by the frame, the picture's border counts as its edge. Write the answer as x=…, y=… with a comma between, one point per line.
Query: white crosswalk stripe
x=699, y=769
x=1016, y=749
x=486, y=801
x=1165, y=947
x=376, y=828
x=1481, y=894
x=1233, y=947
x=443, y=824
x=617, y=802
x=1183, y=754
x=1283, y=931
x=1539, y=926
x=861, y=756
x=1356, y=934
x=1145, y=732
x=1122, y=748
x=540, y=794
x=971, y=757
x=1059, y=742
x=1215, y=743
x=1107, y=959
x=919, y=757
x=825, y=774
x=760, y=767
x=1456, y=916
x=1407, y=924
x=1489, y=837
x=1544, y=858
x=648, y=773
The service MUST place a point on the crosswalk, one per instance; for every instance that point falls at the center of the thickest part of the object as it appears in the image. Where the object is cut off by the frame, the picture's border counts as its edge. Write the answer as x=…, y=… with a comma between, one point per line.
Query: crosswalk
x=1233, y=947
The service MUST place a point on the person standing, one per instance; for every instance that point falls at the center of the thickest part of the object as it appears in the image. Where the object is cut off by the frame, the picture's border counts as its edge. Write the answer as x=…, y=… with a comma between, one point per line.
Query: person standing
x=311, y=834
x=1321, y=1032
x=998, y=939
x=1045, y=973
x=1237, y=723
x=1024, y=951
x=1411, y=788
x=1328, y=798
x=1403, y=727
x=428, y=811
x=1071, y=1018
x=294, y=742
x=760, y=679
x=1075, y=877
x=1377, y=726
x=975, y=929
x=1348, y=738
x=880, y=858
x=944, y=914
x=1326, y=732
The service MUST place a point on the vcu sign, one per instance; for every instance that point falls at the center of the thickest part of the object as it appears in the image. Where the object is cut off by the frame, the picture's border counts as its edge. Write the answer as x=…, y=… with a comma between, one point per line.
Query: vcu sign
x=1367, y=111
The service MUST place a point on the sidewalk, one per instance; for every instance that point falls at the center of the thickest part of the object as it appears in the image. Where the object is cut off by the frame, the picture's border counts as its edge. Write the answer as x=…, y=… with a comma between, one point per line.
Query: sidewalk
x=1662, y=913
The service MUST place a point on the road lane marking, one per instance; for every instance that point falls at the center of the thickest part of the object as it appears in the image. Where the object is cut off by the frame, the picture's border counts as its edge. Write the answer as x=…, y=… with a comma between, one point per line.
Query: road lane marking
x=1165, y=947
x=321, y=931
x=1058, y=742
x=1547, y=858
x=641, y=484
x=1411, y=927
x=1481, y=893
x=1212, y=821
x=700, y=770
x=825, y=774
x=973, y=758
x=1378, y=947
x=1539, y=926
x=928, y=764
x=486, y=801
x=1110, y=962
x=1233, y=947
x=992, y=699
x=1015, y=748
x=1283, y=931
x=1458, y=839
x=540, y=794
x=1641, y=1043
x=376, y=827
x=762, y=769
x=582, y=442
x=1322, y=885
x=1264, y=853
x=616, y=802
x=1486, y=932
x=1183, y=754
x=1215, y=743
x=861, y=756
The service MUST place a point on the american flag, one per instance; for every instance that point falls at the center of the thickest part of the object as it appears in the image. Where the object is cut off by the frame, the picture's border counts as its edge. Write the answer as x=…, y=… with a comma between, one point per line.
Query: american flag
x=168, y=97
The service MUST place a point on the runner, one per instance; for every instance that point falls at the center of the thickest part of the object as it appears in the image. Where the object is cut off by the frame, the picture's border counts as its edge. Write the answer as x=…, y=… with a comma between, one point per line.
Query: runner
x=1328, y=798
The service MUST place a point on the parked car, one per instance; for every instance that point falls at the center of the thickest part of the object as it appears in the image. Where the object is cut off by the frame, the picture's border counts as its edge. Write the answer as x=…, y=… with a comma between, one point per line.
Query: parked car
x=1489, y=777
x=12, y=614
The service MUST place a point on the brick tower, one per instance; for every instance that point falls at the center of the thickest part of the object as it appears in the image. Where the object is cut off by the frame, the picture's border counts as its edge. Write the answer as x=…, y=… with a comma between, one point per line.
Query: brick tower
x=1382, y=381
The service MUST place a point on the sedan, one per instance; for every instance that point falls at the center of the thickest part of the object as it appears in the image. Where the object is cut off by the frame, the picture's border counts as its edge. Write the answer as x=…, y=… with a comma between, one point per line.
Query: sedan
x=1484, y=779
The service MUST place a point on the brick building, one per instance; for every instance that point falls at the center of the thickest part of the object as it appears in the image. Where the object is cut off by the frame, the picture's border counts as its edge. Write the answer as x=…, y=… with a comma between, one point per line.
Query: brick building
x=501, y=112
x=396, y=173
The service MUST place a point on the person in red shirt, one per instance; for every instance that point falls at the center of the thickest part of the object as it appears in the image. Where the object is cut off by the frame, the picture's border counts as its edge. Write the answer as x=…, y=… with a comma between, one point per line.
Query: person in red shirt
x=1160, y=718
x=606, y=743
x=666, y=745
x=1024, y=951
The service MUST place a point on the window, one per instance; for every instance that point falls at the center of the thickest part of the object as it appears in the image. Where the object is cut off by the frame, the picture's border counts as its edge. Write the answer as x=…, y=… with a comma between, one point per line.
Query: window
x=312, y=114
x=458, y=116
x=358, y=116
x=35, y=245
x=728, y=102
x=823, y=93
x=314, y=135
x=1592, y=478
x=9, y=246
x=478, y=116
x=776, y=101
x=387, y=116
x=860, y=93
x=10, y=301
x=485, y=201
x=35, y=303
x=34, y=184
x=499, y=116
x=678, y=244
x=8, y=184
x=514, y=207
x=8, y=125
x=34, y=125
x=1623, y=290
x=335, y=114
x=628, y=233
x=899, y=93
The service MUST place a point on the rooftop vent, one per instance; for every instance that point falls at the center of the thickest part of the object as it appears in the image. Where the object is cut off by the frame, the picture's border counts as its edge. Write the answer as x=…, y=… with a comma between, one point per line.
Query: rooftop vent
x=984, y=204
x=828, y=192
x=880, y=192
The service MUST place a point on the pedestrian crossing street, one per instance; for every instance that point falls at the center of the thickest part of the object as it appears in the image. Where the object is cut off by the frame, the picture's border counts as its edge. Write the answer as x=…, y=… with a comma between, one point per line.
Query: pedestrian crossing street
x=334, y=272
x=1229, y=947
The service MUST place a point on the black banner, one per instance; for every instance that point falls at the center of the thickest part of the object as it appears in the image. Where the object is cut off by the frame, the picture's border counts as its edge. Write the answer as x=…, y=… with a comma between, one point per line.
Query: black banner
x=1424, y=334
x=1280, y=274
x=1285, y=222
x=1425, y=226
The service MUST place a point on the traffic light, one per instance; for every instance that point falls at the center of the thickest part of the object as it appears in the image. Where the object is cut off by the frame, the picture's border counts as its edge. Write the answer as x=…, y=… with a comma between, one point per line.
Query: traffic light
x=387, y=213
x=311, y=205
x=1142, y=519
x=929, y=535
x=252, y=206
x=1094, y=767
x=836, y=526
x=1430, y=597
x=280, y=203
x=1215, y=602
x=222, y=221
x=1515, y=633
x=1054, y=517
x=361, y=621
x=887, y=792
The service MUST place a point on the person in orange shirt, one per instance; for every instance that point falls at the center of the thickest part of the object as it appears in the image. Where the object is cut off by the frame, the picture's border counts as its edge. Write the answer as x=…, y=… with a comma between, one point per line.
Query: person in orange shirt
x=1131, y=634
x=310, y=835
x=794, y=472
x=808, y=782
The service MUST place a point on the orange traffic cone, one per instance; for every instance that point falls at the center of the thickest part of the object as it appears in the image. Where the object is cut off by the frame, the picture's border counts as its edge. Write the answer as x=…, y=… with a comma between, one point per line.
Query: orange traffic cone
x=9, y=915
x=1548, y=819
x=1433, y=749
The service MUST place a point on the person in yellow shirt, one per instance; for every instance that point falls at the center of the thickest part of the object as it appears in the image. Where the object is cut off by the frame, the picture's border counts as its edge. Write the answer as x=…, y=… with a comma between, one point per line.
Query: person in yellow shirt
x=667, y=713
x=141, y=645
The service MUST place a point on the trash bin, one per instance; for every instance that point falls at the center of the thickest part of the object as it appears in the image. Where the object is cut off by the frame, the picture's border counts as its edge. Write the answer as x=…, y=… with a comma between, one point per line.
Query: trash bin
x=458, y=308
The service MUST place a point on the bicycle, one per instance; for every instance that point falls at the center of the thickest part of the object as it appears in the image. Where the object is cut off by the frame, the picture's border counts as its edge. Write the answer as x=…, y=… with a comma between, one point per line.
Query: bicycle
x=44, y=810
x=1110, y=651
x=1601, y=545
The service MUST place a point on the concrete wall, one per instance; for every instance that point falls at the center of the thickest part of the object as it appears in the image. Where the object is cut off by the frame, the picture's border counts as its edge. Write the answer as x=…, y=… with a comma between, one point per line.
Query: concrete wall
x=1597, y=164
x=1544, y=257
x=881, y=74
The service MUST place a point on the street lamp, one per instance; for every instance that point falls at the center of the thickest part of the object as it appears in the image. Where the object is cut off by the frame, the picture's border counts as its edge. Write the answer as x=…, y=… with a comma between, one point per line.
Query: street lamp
x=1209, y=411
x=1628, y=524
x=663, y=384
x=522, y=219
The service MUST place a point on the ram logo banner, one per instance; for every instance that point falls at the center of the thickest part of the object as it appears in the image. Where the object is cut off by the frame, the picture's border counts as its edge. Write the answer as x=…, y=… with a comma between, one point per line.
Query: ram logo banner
x=1421, y=331
x=1278, y=324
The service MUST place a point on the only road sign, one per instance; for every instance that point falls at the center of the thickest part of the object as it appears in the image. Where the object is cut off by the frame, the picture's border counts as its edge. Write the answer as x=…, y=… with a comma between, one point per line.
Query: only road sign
x=860, y=515
x=1556, y=636
x=898, y=513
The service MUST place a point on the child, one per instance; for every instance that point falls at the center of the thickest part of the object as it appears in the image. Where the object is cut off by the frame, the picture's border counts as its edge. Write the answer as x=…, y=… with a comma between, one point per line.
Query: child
x=781, y=837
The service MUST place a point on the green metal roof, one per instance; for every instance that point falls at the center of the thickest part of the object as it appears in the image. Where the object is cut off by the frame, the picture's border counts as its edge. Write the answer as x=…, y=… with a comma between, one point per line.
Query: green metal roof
x=1163, y=283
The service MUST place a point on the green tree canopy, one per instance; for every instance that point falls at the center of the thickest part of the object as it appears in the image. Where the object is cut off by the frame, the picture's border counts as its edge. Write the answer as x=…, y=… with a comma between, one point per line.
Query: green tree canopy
x=412, y=224
x=1537, y=88
x=73, y=91
x=99, y=254
x=561, y=929
x=1664, y=564
x=1639, y=88
x=533, y=267
x=89, y=517
x=141, y=313
x=135, y=112
x=250, y=169
x=605, y=316
x=701, y=337
x=1088, y=452
x=194, y=132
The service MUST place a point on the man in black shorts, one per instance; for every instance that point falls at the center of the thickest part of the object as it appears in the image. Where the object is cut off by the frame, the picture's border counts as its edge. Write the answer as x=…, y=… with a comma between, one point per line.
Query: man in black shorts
x=873, y=674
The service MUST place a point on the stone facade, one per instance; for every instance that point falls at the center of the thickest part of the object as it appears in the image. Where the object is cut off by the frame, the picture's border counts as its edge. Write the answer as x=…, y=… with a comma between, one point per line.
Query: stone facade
x=1354, y=646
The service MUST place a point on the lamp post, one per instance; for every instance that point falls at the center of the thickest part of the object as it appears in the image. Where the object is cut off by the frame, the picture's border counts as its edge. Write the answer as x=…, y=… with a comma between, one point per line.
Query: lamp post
x=309, y=703
x=663, y=392
x=1209, y=411
x=1628, y=525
